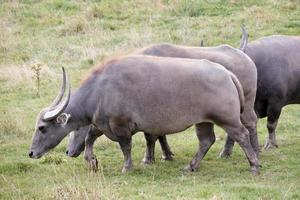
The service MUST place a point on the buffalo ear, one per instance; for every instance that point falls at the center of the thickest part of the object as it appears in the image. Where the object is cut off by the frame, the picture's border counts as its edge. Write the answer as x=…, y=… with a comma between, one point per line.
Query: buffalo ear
x=63, y=118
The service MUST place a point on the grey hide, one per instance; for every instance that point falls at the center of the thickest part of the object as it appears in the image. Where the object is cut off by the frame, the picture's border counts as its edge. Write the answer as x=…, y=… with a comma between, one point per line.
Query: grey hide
x=151, y=94
x=277, y=59
x=232, y=59
x=243, y=67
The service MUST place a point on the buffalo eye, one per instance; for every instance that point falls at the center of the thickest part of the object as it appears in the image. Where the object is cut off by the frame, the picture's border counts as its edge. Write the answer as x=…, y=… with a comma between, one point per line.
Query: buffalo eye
x=41, y=128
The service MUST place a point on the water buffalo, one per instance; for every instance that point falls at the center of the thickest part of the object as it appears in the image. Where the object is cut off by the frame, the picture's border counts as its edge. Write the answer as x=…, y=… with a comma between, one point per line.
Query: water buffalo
x=231, y=58
x=155, y=95
x=277, y=59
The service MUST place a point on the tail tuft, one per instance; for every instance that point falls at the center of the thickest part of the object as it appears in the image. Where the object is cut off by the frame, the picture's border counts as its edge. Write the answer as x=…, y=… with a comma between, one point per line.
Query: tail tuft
x=244, y=40
x=239, y=89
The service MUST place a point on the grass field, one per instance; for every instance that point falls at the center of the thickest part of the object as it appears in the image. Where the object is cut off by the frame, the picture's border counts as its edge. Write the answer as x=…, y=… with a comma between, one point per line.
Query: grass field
x=80, y=34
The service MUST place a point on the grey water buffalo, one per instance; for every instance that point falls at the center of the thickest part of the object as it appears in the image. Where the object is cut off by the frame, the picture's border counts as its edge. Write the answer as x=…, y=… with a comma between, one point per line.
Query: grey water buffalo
x=231, y=58
x=155, y=95
x=277, y=59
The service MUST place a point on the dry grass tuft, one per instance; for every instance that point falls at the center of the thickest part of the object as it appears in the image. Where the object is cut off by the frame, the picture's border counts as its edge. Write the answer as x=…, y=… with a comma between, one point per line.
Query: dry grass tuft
x=11, y=125
x=15, y=75
x=73, y=26
x=95, y=187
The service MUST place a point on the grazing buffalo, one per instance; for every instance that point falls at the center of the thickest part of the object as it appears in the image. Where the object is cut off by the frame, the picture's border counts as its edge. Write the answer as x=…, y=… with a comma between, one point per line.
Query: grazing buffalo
x=231, y=58
x=277, y=59
x=155, y=95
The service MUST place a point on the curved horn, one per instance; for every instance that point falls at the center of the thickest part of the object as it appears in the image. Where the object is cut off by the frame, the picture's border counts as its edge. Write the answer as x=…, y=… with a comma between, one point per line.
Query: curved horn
x=62, y=91
x=244, y=40
x=58, y=109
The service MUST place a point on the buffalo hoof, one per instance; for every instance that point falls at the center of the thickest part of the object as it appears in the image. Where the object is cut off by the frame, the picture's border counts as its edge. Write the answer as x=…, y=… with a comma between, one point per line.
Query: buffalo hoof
x=270, y=145
x=254, y=171
x=225, y=154
x=126, y=169
x=188, y=169
x=167, y=157
x=93, y=164
x=147, y=161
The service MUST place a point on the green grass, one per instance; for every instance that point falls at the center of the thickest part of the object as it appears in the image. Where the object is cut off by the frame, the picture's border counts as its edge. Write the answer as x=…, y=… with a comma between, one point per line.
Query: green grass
x=79, y=34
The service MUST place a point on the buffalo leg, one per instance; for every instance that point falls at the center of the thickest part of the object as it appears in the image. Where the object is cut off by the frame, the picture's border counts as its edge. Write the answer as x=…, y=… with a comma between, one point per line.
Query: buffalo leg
x=119, y=127
x=167, y=153
x=149, y=157
x=125, y=144
x=273, y=116
x=206, y=137
x=241, y=135
x=227, y=150
x=249, y=120
x=90, y=139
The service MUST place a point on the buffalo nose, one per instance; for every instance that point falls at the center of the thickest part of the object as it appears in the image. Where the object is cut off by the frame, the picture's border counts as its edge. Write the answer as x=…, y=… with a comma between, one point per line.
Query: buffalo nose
x=30, y=154
x=67, y=152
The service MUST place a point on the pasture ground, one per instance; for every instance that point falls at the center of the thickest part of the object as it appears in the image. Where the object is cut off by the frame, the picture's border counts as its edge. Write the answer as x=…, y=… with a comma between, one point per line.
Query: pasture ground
x=80, y=34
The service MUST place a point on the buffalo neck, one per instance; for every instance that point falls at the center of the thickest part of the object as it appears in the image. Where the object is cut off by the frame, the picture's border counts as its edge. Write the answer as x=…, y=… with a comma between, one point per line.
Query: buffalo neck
x=78, y=108
x=85, y=102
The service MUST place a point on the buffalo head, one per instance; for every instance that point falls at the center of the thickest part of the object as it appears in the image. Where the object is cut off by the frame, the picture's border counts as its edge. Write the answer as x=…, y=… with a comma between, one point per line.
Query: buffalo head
x=53, y=124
